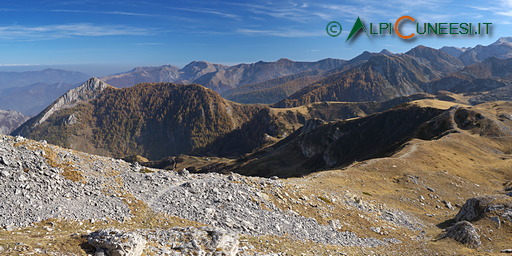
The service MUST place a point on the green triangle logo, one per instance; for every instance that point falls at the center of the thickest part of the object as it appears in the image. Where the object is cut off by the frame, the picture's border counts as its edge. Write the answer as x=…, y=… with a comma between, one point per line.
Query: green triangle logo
x=356, y=28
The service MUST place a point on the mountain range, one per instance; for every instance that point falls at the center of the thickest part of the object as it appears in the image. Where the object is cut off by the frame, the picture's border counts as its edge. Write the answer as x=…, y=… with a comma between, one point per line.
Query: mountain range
x=32, y=91
x=501, y=49
x=32, y=99
x=260, y=82
x=156, y=120
x=219, y=77
x=47, y=76
x=271, y=82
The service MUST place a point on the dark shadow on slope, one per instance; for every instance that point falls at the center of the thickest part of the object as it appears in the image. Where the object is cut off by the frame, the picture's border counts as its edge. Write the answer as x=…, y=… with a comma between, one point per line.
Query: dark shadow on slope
x=338, y=144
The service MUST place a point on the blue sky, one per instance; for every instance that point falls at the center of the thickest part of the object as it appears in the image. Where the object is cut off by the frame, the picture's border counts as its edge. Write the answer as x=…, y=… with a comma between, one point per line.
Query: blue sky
x=112, y=36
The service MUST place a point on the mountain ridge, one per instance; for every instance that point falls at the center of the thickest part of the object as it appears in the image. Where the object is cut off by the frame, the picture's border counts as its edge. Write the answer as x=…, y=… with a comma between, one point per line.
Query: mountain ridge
x=217, y=76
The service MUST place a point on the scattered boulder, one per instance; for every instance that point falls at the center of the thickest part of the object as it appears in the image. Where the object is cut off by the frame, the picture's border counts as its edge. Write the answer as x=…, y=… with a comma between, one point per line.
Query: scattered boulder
x=478, y=207
x=463, y=232
x=335, y=224
x=195, y=241
x=114, y=242
x=448, y=205
x=178, y=241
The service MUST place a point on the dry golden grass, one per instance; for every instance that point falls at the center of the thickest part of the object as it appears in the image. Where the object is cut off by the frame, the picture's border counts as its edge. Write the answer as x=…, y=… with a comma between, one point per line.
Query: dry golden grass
x=440, y=104
x=457, y=167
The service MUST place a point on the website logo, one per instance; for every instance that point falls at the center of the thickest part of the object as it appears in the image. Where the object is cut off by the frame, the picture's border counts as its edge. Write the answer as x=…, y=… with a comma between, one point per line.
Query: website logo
x=334, y=28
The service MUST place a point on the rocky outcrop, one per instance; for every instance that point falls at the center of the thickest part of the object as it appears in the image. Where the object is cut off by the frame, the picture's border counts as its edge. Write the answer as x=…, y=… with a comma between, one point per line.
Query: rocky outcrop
x=463, y=232
x=195, y=241
x=84, y=92
x=494, y=208
x=485, y=206
x=114, y=242
x=174, y=241
x=312, y=124
x=10, y=120
x=87, y=91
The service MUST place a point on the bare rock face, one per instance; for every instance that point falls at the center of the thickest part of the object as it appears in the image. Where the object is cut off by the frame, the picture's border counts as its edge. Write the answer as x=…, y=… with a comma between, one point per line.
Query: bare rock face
x=175, y=241
x=84, y=92
x=478, y=207
x=114, y=242
x=195, y=241
x=10, y=120
x=463, y=232
x=311, y=124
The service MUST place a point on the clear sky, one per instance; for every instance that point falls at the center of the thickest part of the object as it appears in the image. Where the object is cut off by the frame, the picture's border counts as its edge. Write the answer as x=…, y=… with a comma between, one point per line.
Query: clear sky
x=106, y=36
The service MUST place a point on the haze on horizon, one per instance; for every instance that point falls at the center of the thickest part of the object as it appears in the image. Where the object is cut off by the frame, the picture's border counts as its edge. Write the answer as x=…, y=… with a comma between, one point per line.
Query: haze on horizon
x=102, y=38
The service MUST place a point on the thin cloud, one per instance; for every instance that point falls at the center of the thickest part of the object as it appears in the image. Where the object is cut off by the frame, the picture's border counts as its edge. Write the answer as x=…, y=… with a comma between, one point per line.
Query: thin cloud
x=207, y=11
x=26, y=33
x=20, y=65
x=293, y=11
x=280, y=33
x=108, y=12
x=497, y=8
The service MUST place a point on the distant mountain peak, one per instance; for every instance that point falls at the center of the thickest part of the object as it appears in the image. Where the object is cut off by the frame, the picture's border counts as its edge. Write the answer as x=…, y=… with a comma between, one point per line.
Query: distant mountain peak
x=198, y=62
x=202, y=65
x=501, y=49
x=284, y=60
x=420, y=48
x=503, y=40
x=454, y=51
x=139, y=69
x=366, y=55
x=386, y=52
x=428, y=53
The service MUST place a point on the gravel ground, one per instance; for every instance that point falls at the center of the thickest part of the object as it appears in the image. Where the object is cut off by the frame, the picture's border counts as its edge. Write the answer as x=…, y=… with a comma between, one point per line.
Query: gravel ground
x=35, y=182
